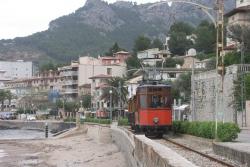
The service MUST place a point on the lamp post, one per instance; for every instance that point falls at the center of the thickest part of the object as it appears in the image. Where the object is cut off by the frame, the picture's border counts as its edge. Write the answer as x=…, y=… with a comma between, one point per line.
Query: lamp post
x=110, y=104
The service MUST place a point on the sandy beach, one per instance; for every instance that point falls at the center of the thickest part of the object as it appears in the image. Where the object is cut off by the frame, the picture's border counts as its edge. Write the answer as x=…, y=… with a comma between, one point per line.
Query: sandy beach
x=74, y=149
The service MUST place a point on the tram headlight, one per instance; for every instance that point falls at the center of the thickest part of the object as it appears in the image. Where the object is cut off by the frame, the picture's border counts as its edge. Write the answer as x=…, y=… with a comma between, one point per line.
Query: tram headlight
x=156, y=120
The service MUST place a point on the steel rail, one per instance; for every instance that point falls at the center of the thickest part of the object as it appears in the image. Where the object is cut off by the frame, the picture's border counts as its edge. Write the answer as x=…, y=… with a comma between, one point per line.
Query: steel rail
x=198, y=152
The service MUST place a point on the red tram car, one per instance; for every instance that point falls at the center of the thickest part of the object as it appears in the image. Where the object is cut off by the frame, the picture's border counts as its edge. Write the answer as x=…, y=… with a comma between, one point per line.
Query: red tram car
x=150, y=109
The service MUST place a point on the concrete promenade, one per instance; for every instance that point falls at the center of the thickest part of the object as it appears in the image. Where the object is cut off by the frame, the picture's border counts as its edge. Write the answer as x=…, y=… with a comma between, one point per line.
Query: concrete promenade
x=238, y=150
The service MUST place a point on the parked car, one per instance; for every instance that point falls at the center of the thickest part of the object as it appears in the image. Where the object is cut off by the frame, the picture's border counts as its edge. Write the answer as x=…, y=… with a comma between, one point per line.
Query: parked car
x=7, y=115
x=31, y=117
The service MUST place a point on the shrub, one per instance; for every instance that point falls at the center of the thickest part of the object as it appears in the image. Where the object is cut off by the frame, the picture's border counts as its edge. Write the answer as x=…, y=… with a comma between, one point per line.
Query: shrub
x=226, y=131
x=123, y=122
x=95, y=120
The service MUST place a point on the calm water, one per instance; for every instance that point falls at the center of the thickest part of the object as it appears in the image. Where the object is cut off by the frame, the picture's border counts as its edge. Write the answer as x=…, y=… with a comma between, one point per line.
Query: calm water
x=21, y=134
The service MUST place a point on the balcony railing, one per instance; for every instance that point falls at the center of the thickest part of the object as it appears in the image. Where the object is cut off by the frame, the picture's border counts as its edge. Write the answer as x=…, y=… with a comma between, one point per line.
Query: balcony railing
x=69, y=73
x=70, y=82
x=69, y=91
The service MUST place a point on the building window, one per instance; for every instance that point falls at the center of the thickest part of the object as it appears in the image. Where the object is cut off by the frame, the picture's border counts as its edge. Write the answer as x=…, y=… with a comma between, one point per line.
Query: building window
x=109, y=71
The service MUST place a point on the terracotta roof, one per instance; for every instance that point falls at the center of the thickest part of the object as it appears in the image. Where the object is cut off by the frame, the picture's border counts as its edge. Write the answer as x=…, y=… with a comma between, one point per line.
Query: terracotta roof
x=230, y=47
x=101, y=76
x=85, y=86
x=242, y=9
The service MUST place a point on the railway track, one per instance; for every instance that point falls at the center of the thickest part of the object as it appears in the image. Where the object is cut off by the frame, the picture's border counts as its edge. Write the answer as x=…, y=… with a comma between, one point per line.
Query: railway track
x=197, y=157
x=211, y=161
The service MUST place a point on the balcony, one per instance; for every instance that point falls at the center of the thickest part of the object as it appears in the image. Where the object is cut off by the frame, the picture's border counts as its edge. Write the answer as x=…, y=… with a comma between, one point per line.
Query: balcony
x=69, y=73
x=70, y=91
x=70, y=82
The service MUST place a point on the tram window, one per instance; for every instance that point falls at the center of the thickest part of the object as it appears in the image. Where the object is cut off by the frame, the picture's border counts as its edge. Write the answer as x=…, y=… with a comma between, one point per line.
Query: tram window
x=160, y=101
x=143, y=101
x=155, y=102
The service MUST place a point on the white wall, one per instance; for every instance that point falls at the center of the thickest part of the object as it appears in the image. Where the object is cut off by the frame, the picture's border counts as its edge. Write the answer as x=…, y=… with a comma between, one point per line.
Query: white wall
x=16, y=70
x=87, y=71
x=240, y=3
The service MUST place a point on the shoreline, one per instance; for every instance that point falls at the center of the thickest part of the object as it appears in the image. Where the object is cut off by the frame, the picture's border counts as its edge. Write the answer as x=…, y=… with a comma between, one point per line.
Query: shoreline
x=74, y=148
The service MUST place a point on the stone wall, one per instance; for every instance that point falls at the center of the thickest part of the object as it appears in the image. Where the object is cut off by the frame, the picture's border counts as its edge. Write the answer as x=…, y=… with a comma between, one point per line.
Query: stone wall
x=205, y=95
x=141, y=151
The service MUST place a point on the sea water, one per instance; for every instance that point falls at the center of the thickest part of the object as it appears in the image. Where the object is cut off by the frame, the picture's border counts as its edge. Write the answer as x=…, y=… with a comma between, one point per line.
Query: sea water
x=21, y=134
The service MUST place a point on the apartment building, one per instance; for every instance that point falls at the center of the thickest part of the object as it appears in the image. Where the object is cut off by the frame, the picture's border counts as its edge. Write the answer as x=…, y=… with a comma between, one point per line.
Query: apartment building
x=69, y=81
x=11, y=70
x=44, y=86
x=238, y=16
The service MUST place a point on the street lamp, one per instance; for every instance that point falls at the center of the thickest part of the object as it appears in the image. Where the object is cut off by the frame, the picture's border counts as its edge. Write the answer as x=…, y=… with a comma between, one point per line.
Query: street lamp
x=110, y=103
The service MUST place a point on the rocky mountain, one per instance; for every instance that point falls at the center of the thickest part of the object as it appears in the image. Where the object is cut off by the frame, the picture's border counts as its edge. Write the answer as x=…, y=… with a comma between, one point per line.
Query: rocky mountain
x=93, y=28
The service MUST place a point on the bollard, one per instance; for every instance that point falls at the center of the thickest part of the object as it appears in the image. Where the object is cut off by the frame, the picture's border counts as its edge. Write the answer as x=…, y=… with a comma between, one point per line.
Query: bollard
x=46, y=130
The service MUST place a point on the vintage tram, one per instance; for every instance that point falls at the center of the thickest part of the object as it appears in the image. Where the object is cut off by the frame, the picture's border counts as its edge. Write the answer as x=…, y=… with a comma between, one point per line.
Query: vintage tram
x=150, y=109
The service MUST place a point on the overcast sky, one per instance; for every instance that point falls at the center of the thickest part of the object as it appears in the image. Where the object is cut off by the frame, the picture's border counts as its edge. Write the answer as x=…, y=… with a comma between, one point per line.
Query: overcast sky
x=24, y=17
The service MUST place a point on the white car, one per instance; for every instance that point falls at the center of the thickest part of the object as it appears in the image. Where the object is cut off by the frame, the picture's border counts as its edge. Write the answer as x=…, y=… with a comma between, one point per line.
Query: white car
x=31, y=117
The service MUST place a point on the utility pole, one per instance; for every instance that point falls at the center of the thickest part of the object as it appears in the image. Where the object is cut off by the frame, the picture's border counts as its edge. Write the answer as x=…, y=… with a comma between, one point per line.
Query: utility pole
x=193, y=93
x=219, y=80
x=243, y=99
x=120, y=100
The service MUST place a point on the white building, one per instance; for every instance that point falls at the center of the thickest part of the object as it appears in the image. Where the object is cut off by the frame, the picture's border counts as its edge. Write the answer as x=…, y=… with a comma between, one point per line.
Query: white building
x=238, y=16
x=69, y=81
x=241, y=3
x=151, y=56
x=89, y=67
x=10, y=70
x=132, y=85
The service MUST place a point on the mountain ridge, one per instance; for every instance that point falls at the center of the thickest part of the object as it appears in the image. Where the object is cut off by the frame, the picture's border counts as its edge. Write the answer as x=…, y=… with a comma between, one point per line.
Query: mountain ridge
x=93, y=28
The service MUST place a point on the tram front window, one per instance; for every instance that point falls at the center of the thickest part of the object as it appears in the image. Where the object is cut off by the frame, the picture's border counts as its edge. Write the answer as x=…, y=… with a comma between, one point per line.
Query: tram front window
x=154, y=101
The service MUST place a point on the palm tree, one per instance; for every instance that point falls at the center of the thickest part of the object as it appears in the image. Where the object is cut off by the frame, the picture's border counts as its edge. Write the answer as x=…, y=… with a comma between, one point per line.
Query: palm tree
x=9, y=96
x=115, y=84
x=2, y=98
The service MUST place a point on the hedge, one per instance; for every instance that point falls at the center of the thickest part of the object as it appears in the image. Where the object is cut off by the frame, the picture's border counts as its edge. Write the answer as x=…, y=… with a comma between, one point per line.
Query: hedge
x=123, y=122
x=95, y=120
x=226, y=131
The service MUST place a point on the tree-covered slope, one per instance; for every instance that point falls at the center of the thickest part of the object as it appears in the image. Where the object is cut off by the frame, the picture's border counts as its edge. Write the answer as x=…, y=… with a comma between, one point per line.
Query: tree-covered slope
x=93, y=28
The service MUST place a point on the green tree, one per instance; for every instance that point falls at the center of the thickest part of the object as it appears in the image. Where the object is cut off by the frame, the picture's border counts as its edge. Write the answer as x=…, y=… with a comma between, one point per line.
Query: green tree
x=141, y=43
x=2, y=98
x=247, y=85
x=241, y=34
x=235, y=58
x=9, y=96
x=205, y=37
x=115, y=48
x=181, y=27
x=47, y=67
x=113, y=84
x=86, y=101
x=178, y=43
x=183, y=86
x=157, y=43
